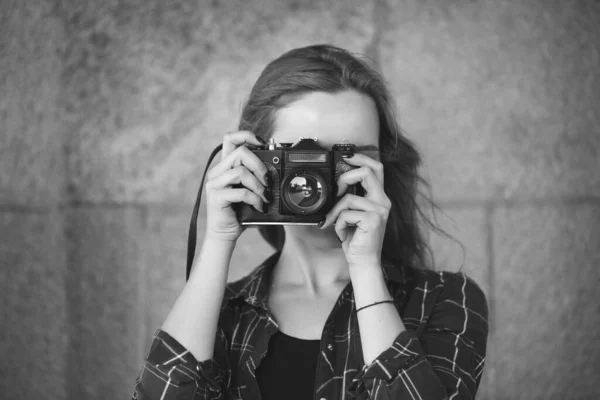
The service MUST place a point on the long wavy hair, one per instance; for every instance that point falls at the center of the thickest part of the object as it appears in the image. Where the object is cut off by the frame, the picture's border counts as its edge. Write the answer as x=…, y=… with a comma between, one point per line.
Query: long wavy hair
x=326, y=68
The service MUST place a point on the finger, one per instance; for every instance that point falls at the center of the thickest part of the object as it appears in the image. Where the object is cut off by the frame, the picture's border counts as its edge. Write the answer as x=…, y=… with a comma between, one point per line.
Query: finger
x=241, y=156
x=233, y=140
x=355, y=203
x=363, y=221
x=226, y=197
x=361, y=160
x=367, y=179
x=238, y=176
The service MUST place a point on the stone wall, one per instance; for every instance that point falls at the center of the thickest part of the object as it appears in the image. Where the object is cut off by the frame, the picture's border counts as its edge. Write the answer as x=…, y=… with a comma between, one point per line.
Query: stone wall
x=109, y=109
x=33, y=256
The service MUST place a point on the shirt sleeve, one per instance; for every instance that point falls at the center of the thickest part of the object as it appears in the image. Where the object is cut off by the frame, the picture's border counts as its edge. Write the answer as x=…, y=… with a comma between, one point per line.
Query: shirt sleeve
x=171, y=372
x=445, y=362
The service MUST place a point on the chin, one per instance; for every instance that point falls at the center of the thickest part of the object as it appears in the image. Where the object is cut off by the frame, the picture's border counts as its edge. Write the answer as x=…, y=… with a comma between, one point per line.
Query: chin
x=311, y=232
x=298, y=230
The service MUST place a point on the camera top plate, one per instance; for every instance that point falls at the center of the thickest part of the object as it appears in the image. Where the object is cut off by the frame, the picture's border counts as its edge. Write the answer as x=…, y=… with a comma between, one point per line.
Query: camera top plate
x=309, y=144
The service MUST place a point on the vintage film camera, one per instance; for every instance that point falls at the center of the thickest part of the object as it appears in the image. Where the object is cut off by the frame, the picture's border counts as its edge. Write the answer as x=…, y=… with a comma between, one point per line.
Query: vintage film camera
x=302, y=182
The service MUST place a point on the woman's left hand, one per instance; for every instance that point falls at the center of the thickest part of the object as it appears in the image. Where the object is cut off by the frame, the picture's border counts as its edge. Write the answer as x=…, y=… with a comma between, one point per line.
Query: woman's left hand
x=360, y=222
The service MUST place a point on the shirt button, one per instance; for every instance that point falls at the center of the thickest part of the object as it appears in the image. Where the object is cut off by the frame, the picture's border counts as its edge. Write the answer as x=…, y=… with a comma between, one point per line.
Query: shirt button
x=330, y=346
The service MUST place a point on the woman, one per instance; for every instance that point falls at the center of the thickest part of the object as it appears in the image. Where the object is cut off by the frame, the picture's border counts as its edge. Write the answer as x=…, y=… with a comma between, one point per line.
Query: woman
x=343, y=310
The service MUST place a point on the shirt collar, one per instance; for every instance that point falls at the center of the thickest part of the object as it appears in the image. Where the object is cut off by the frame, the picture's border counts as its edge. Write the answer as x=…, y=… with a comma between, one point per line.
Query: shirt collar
x=254, y=288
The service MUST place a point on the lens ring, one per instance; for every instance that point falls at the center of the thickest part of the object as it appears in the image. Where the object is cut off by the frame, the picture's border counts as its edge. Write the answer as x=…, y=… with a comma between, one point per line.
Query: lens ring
x=304, y=192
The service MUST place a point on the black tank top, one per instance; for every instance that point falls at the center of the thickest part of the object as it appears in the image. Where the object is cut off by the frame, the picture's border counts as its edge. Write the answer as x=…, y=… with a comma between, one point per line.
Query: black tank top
x=288, y=370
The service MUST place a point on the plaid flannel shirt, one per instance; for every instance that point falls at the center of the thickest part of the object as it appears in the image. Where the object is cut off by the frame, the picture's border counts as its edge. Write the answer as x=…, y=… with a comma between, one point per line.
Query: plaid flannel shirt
x=440, y=355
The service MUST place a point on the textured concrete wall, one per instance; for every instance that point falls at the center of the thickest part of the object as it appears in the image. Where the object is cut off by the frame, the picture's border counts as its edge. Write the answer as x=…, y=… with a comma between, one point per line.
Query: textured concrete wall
x=110, y=108
x=33, y=263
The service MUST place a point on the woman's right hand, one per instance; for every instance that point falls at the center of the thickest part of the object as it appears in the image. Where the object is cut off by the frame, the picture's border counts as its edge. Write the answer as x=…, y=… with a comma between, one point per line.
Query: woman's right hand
x=240, y=177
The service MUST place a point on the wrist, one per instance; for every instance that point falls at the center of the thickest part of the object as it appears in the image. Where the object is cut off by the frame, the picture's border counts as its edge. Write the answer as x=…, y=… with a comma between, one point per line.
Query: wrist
x=221, y=238
x=216, y=244
x=372, y=269
x=219, y=231
x=390, y=301
x=368, y=283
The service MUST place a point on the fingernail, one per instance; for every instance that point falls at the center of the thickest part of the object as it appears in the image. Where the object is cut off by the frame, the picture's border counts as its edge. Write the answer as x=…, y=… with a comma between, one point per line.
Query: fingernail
x=349, y=155
x=338, y=238
x=321, y=223
x=267, y=195
x=267, y=179
x=261, y=140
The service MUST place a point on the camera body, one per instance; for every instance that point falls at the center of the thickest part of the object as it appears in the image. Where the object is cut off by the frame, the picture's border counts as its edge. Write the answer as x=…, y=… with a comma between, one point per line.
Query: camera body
x=302, y=182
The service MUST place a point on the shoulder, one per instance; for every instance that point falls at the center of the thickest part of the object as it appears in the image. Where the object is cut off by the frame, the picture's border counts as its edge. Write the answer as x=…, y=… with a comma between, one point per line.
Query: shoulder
x=456, y=286
x=452, y=296
x=464, y=292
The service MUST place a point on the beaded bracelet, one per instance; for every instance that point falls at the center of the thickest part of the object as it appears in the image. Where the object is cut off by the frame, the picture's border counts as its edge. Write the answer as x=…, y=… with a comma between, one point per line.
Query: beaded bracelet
x=374, y=304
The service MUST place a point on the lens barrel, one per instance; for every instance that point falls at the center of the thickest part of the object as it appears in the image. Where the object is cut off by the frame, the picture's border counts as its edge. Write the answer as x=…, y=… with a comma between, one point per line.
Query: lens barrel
x=304, y=192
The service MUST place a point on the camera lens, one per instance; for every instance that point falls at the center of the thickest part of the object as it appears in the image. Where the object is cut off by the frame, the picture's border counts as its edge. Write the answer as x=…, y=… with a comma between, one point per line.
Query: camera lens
x=305, y=192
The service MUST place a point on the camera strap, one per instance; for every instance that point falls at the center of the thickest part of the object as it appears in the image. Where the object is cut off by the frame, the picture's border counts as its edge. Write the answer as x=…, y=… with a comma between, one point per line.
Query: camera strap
x=192, y=234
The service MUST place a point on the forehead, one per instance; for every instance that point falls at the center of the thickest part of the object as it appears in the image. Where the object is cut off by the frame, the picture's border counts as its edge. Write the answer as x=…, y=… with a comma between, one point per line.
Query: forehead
x=331, y=118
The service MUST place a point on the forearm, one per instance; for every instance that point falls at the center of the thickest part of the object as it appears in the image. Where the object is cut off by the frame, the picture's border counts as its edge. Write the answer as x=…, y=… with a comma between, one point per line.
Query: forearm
x=193, y=319
x=379, y=325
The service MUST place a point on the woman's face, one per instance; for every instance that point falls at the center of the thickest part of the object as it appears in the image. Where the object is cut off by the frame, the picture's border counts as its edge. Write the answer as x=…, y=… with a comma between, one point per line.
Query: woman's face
x=331, y=118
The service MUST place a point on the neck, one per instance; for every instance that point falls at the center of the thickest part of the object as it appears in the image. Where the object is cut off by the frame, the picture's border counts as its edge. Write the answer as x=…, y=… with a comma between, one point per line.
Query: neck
x=312, y=259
